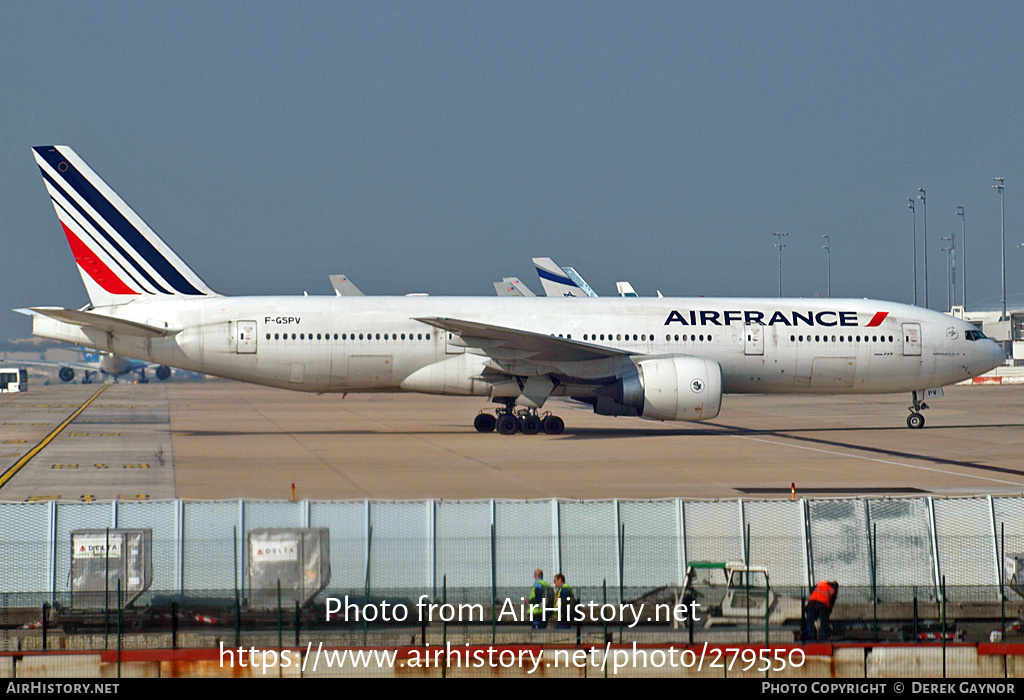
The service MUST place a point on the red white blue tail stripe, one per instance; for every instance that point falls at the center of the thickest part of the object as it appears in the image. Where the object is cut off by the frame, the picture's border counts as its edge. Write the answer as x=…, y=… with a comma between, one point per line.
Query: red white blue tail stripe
x=120, y=257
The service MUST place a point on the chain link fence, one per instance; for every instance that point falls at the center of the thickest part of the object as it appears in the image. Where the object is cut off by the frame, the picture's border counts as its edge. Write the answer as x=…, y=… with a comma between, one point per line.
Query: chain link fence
x=918, y=570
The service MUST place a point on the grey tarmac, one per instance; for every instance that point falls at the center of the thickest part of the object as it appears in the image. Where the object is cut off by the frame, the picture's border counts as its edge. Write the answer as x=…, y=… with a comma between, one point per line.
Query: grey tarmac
x=220, y=439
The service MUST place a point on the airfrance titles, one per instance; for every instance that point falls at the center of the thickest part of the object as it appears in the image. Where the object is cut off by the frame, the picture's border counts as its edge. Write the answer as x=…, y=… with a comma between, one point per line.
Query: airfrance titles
x=706, y=317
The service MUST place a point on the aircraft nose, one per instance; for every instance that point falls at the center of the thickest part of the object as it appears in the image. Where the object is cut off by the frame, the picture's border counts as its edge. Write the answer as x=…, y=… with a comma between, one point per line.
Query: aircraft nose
x=998, y=355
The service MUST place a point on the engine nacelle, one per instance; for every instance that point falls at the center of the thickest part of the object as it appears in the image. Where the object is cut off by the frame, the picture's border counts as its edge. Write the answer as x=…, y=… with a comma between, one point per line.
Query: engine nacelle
x=66, y=374
x=163, y=373
x=674, y=388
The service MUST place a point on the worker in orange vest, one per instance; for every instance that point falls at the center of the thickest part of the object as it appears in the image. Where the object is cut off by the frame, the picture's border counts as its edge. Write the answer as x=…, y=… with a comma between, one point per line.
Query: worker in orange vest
x=819, y=608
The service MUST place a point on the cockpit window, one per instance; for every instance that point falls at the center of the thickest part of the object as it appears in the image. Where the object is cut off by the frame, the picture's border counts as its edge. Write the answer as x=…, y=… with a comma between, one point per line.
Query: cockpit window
x=974, y=335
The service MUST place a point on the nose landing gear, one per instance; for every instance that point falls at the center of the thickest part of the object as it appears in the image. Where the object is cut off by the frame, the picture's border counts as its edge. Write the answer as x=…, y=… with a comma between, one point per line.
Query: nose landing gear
x=915, y=419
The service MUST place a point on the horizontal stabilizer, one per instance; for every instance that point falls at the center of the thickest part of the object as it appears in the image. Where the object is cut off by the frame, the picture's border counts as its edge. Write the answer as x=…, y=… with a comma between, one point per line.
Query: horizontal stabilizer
x=107, y=324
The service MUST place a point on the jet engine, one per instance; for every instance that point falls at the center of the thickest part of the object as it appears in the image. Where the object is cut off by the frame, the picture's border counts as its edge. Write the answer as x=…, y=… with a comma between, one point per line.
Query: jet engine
x=66, y=374
x=667, y=388
x=163, y=373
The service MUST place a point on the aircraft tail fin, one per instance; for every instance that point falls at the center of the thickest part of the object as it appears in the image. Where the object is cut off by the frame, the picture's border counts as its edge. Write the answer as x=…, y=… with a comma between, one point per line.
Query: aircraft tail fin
x=580, y=282
x=344, y=287
x=625, y=289
x=555, y=281
x=512, y=287
x=119, y=256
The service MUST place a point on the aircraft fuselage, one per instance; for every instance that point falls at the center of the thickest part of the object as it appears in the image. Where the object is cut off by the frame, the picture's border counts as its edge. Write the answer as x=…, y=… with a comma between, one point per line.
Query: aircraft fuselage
x=374, y=344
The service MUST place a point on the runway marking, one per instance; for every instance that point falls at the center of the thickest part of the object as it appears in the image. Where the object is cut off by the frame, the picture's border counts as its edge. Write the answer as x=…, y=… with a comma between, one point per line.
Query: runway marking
x=16, y=467
x=93, y=434
x=881, y=461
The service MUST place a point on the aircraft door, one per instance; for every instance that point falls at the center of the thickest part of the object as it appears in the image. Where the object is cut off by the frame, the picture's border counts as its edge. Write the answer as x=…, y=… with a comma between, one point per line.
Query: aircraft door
x=753, y=334
x=245, y=337
x=911, y=338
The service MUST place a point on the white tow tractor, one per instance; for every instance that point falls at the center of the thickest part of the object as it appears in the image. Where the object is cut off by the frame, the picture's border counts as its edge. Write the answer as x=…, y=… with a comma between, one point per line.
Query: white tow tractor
x=730, y=593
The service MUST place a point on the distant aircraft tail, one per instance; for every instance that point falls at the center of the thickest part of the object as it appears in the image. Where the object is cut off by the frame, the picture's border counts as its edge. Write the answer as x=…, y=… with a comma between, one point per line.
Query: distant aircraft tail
x=580, y=282
x=90, y=355
x=555, y=281
x=344, y=287
x=625, y=289
x=119, y=256
x=512, y=287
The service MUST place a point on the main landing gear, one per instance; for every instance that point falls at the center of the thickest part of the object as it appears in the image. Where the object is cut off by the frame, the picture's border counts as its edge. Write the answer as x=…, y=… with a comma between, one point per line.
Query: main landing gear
x=915, y=419
x=509, y=421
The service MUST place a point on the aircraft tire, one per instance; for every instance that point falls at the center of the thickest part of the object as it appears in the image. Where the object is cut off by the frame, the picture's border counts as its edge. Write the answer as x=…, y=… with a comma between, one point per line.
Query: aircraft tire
x=531, y=425
x=915, y=420
x=508, y=424
x=484, y=423
x=553, y=425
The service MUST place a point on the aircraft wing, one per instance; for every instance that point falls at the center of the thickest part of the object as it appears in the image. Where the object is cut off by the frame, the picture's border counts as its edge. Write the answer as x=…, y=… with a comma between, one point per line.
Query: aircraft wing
x=89, y=366
x=502, y=343
x=107, y=324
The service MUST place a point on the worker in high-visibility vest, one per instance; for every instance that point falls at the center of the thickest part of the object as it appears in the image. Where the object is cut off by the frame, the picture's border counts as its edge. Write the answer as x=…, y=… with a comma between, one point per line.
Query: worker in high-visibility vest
x=539, y=594
x=819, y=609
x=565, y=603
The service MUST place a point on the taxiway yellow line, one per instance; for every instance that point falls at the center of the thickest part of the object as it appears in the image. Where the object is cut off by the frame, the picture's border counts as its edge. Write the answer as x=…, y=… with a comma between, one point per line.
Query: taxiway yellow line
x=9, y=474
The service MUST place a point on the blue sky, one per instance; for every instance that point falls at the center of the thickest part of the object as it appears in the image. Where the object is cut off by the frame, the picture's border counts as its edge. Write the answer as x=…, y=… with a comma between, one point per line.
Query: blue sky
x=436, y=147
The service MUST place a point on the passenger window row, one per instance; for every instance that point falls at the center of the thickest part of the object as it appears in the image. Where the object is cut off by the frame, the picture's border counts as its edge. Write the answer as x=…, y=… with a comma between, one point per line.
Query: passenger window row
x=586, y=336
x=842, y=338
x=349, y=336
x=643, y=337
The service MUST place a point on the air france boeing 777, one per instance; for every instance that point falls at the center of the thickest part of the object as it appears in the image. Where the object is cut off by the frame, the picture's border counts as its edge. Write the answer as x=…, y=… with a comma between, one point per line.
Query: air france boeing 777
x=657, y=358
